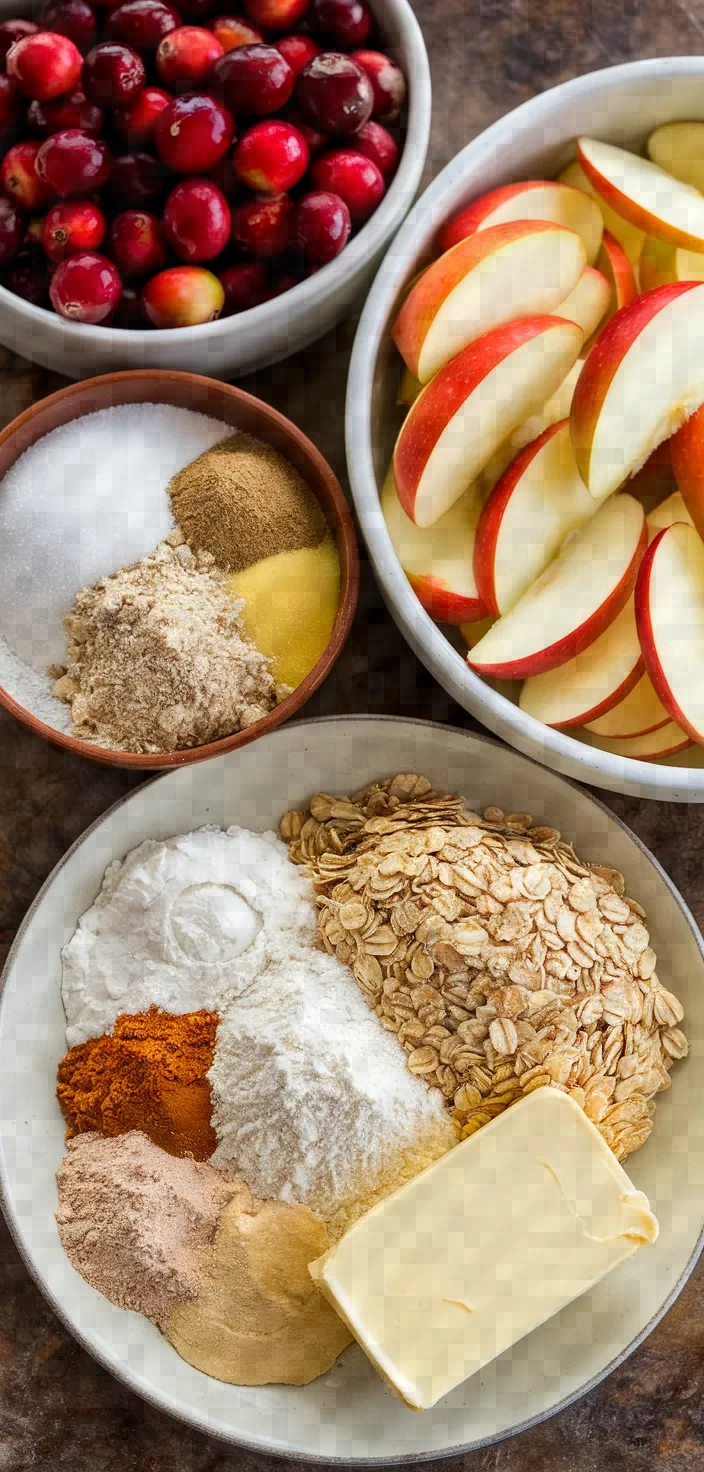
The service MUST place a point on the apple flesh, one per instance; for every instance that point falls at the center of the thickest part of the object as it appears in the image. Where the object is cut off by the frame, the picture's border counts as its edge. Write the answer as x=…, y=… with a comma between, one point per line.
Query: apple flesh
x=639, y=713
x=409, y=388
x=534, y=199
x=437, y=560
x=644, y=194
x=678, y=148
x=614, y=264
x=627, y=235
x=667, y=513
x=516, y=270
x=472, y=405
x=554, y=409
x=687, y=457
x=592, y=682
x=669, y=602
x=651, y=748
x=588, y=302
x=573, y=600
x=537, y=502
x=642, y=378
x=473, y=632
x=661, y=263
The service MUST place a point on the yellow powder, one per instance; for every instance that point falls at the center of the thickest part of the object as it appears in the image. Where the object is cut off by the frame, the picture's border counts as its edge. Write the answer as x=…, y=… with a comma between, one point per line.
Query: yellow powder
x=290, y=604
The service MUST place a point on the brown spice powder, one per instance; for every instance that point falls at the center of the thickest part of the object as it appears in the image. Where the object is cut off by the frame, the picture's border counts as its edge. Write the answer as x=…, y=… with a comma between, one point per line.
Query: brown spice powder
x=243, y=501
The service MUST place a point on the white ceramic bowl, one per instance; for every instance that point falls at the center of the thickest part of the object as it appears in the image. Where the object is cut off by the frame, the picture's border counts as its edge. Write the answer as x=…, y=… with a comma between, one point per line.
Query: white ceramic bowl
x=237, y=345
x=622, y=105
x=349, y=1415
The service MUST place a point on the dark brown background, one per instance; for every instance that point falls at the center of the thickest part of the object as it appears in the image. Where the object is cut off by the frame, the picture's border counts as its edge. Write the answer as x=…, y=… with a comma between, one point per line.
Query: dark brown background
x=57, y=1408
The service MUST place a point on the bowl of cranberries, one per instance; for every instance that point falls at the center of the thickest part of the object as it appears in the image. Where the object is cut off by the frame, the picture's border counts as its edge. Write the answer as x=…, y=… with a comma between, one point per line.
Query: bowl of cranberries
x=189, y=188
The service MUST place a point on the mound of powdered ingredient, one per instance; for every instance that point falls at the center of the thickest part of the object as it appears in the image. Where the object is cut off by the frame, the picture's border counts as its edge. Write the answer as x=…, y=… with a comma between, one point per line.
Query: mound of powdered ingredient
x=135, y=1222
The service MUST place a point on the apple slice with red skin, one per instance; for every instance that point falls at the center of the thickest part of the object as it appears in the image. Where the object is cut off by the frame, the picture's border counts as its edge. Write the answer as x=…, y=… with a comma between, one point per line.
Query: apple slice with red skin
x=572, y=601
x=654, y=747
x=474, y=631
x=668, y=512
x=437, y=560
x=555, y=408
x=644, y=193
x=679, y=149
x=669, y=601
x=626, y=234
x=593, y=681
x=639, y=713
x=687, y=457
x=532, y=199
x=662, y=263
x=588, y=302
x=615, y=266
x=537, y=502
x=474, y=403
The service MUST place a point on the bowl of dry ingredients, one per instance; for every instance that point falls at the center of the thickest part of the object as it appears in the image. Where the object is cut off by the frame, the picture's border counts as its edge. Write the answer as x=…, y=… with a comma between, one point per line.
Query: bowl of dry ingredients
x=178, y=568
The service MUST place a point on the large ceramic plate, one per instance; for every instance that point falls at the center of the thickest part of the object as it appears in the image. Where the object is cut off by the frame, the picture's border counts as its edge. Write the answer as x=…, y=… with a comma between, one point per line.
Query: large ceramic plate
x=348, y=1414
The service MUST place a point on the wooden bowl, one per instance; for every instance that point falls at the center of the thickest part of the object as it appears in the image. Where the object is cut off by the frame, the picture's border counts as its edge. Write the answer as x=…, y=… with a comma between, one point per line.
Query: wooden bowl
x=241, y=411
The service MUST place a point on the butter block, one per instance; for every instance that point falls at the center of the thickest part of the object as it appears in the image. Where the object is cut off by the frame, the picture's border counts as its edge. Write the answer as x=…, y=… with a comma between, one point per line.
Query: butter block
x=484, y=1246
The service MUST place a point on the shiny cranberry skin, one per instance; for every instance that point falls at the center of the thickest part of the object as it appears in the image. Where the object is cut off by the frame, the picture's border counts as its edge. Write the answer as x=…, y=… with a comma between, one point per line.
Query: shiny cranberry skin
x=186, y=57
x=344, y=22
x=262, y=227
x=255, y=80
x=138, y=119
x=30, y=279
x=334, y=94
x=298, y=51
x=19, y=178
x=321, y=227
x=197, y=220
x=193, y=133
x=14, y=30
x=142, y=23
x=128, y=313
x=137, y=179
x=246, y=285
x=355, y=178
x=44, y=66
x=377, y=144
x=74, y=111
x=388, y=83
x=10, y=104
x=271, y=157
x=276, y=15
x=77, y=224
x=72, y=18
x=85, y=288
x=137, y=243
x=183, y=296
x=113, y=74
x=12, y=227
x=232, y=31
x=72, y=162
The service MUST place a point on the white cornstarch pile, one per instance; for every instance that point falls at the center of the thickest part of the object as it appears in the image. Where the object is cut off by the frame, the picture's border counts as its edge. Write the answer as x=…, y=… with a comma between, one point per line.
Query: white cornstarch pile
x=157, y=659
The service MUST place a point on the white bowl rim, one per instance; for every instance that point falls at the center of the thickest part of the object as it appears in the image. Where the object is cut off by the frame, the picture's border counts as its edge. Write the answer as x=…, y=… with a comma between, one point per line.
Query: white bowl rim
x=260, y=1446
x=562, y=752
x=306, y=293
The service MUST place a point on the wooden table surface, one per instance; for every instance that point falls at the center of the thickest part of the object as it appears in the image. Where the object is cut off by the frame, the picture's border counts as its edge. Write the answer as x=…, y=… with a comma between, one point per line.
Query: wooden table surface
x=58, y=1409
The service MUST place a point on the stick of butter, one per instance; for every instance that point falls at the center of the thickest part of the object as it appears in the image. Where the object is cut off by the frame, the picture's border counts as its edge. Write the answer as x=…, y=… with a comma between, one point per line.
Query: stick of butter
x=485, y=1245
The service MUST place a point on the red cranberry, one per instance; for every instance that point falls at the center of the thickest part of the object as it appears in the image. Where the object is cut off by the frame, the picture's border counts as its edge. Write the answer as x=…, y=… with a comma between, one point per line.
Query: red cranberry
x=246, y=285
x=355, y=178
x=263, y=226
x=30, y=279
x=193, y=133
x=256, y=80
x=128, y=312
x=142, y=23
x=183, y=296
x=72, y=162
x=321, y=227
x=334, y=94
x=186, y=56
x=72, y=18
x=74, y=111
x=138, y=119
x=113, y=74
x=388, y=83
x=276, y=15
x=14, y=30
x=85, y=288
x=345, y=22
x=232, y=31
x=9, y=104
x=19, y=177
x=137, y=243
x=197, y=220
x=298, y=51
x=316, y=141
x=377, y=144
x=75, y=225
x=271, y=157
x=11, y=229
x=44, y=66
x=137, y=179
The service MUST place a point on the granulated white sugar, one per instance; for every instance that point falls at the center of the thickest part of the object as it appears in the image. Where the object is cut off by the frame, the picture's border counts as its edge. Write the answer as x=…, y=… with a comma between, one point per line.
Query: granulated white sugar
x=32, y=690
x=85, y=500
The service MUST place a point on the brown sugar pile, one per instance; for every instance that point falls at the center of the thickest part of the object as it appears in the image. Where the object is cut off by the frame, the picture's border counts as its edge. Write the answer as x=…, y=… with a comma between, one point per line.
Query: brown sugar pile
x=149, y=1075
x=242, y=501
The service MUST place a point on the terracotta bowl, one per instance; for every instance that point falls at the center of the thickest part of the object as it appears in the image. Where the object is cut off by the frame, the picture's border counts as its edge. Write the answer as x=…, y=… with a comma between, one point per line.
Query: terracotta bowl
x=241, y=411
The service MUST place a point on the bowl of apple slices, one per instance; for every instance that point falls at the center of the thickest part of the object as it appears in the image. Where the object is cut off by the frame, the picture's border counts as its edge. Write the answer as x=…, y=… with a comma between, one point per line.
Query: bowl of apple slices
x=525, y=428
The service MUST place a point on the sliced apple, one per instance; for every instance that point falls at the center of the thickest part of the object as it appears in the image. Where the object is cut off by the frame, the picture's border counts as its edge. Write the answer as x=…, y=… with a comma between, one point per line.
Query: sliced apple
x=473, y=632
x=437, y=560
x=667, y=513
x=409, y=388
x=651, y=748
x=643, y=377
x=627, y=235
x=554, y=409
x=533, y=199
x=472, y=405
x=678, y=148
x=615, y=266
x=537, y=502
x=572, y=601
x=640, y=712
x=644, y=193
x=592, y=682
x=669, y=602
x=661, y=263
x=515, y=270
x=588, y=302
x=687, y=456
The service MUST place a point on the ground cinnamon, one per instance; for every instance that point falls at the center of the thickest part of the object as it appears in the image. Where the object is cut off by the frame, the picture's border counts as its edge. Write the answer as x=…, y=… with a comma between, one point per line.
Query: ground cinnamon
x=149, y=1075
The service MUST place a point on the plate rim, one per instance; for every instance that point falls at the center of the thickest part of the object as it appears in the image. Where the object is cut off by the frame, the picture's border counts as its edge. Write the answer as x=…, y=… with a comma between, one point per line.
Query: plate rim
x=195, y=1420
